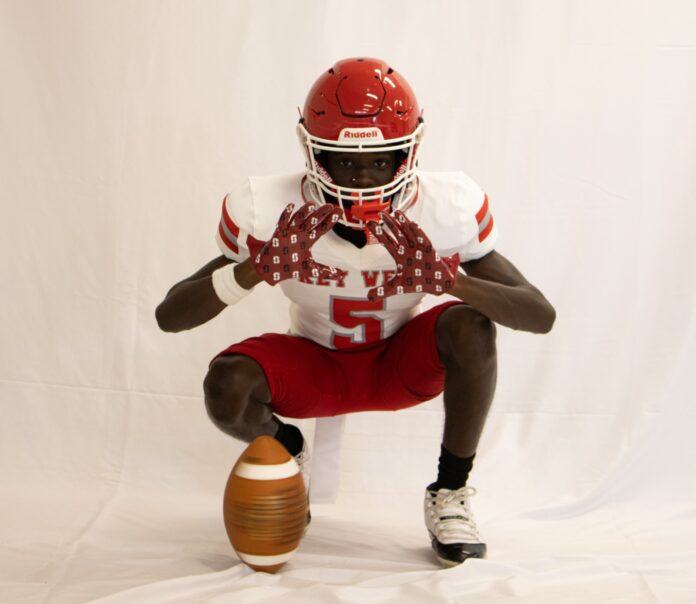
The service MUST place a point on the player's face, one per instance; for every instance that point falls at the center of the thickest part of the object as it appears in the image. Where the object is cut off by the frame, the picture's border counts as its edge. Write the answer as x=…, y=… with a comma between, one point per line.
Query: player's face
x=361, y=170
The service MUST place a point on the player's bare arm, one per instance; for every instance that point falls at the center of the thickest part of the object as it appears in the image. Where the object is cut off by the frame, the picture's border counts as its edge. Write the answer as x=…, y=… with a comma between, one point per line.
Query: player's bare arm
x=193, y=301
x=492, y=285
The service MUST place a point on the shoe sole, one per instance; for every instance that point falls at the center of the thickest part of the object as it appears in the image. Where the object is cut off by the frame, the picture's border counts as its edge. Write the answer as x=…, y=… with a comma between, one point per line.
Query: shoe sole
x=445, y=561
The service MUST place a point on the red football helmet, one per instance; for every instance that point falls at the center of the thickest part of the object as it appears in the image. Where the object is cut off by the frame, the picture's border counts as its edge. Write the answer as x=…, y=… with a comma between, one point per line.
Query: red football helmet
x=361, y=105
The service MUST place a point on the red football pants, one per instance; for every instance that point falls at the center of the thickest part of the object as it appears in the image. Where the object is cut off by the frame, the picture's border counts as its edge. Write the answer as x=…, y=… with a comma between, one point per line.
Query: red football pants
x=309, y=380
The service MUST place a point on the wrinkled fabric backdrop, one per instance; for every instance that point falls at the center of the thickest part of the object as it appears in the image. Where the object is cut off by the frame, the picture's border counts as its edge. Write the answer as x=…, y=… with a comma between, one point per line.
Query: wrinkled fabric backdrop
x=122, y=125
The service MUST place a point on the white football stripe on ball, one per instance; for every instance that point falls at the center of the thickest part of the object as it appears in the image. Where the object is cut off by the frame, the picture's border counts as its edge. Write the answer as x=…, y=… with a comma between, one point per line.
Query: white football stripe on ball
x=257, y=560
x=277, y=471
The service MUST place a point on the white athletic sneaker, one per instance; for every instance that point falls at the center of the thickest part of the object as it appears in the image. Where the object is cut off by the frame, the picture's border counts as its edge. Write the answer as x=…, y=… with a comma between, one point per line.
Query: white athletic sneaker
x=303, y=458
x=451, y=525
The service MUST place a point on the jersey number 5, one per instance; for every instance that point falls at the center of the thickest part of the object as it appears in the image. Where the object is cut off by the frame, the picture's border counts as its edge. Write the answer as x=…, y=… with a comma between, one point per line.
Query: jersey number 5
x=352, y=313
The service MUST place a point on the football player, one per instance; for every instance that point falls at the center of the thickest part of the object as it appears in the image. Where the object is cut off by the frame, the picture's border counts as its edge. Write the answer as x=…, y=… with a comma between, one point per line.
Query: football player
x=356, y=242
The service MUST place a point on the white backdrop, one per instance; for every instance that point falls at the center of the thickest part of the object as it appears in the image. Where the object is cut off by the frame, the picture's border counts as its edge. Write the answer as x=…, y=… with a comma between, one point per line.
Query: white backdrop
x=123, y=123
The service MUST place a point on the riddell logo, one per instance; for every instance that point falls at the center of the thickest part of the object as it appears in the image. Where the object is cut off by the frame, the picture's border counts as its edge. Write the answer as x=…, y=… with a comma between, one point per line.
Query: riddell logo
x=360, y=134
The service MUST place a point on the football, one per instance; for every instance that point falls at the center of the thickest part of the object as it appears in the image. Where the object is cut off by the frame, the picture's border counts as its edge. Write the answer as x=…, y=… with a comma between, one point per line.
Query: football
x=265, y=505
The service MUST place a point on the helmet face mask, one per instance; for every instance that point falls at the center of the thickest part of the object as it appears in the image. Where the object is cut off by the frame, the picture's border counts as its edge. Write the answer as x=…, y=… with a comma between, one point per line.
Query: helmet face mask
x=361, y=106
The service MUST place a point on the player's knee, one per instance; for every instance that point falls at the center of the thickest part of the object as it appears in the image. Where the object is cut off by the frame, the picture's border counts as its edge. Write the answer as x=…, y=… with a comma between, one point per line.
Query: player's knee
x=465, y=335
x=227, y=387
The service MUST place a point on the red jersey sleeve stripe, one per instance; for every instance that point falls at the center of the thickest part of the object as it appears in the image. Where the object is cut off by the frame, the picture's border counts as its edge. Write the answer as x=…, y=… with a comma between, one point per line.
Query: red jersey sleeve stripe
x=486, y=230
x=226, y=240
x=481, y=214
x=229, y=223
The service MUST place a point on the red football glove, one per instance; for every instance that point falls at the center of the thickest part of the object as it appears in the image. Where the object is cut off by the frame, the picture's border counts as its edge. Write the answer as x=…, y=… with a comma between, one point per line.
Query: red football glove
x=286, y=255
x=419, y=268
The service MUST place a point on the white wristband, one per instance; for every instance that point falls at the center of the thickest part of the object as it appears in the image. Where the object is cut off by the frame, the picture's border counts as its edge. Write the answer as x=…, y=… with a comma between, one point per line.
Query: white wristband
x=226, y=286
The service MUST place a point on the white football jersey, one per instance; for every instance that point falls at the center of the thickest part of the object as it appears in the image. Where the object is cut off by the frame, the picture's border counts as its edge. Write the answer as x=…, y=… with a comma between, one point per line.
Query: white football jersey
x=450, y=208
